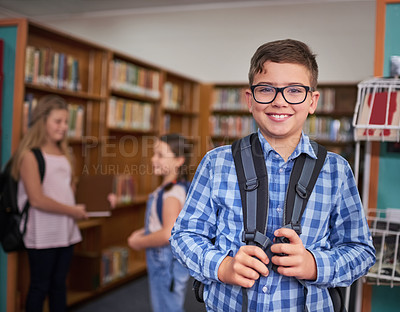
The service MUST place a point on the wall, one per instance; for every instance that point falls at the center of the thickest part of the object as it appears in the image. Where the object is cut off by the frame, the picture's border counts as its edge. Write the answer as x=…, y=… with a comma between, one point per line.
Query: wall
x=8, y=35
x=215, y=44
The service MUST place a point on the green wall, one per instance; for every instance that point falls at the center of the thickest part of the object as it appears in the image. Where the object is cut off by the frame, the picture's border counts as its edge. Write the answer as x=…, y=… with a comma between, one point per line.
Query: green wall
x=385, y=298
x=9, y=36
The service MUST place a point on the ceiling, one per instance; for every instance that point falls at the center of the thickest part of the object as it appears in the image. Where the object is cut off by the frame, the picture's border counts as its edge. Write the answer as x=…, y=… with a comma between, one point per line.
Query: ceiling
x=42, y=9
x=49, y=8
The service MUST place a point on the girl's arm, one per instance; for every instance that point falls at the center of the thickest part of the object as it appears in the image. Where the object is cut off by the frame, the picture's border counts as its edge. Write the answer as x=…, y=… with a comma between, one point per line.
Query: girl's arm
x=138, y=240
x=29, y=172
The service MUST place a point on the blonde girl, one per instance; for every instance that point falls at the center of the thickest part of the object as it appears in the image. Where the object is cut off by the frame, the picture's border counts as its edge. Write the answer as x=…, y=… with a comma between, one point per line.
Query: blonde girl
x=51, y=229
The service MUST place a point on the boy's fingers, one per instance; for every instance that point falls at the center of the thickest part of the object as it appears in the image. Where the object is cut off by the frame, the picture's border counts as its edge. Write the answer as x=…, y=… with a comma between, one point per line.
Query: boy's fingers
x=288, y=233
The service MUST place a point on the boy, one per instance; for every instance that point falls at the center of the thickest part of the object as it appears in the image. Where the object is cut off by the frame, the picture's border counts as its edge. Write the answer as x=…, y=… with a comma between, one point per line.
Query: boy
x=335, y=247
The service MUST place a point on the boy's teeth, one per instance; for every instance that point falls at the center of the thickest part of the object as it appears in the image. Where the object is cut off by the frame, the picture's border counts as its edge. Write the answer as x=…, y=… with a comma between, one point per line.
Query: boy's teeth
x=279, y=116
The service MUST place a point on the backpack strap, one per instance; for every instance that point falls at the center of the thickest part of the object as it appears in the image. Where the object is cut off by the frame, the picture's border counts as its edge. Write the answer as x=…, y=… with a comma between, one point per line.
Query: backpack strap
x=159, y=204
x=253, y=184
x=41, y=164
x=303, y=177
x=252, y=177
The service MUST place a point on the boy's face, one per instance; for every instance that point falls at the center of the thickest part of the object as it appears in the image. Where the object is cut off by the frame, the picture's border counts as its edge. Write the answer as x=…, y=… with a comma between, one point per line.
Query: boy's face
x=280, y=120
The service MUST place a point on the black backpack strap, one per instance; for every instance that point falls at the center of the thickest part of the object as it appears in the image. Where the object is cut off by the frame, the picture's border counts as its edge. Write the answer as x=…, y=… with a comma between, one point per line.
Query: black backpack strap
x=159, y=204
x=303, y=177
x=253, y=184
x=41, y=164
x=39, y=157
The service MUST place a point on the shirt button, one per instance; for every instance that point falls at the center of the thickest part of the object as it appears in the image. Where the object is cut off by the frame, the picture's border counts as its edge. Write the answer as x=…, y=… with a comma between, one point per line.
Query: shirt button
x=277, y=156
x=281, y=170
x=265, y=289
x=279, y=209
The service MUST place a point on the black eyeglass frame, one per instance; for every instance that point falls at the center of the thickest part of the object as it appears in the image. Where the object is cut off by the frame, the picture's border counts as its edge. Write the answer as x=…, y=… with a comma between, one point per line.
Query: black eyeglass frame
x=280, y=90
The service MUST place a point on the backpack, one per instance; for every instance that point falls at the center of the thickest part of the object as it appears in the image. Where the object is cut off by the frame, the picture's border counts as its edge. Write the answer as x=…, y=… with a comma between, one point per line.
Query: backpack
x=253, y=184
x=184, y=183
x=13, y=221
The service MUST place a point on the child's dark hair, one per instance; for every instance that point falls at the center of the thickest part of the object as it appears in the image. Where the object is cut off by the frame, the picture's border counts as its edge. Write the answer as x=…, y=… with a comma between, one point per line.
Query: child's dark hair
x=284, y=51
x=180, y=146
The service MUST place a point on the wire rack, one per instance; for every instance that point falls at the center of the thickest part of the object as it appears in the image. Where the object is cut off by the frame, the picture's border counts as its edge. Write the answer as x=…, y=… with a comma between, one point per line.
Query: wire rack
x=377, y=112
x=385, y=231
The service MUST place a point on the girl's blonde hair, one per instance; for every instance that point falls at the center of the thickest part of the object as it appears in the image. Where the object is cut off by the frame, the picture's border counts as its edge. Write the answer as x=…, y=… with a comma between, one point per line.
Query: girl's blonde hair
x=36, y=135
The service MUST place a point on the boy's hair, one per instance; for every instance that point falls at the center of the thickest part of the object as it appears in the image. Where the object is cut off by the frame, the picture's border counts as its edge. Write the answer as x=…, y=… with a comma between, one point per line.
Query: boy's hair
x=181, y=148
x=36, y=135
x=284, y=51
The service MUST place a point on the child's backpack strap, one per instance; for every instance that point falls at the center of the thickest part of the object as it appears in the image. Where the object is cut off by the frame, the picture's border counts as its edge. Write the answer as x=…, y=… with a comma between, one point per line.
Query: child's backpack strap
x=303, y=177
x=159, y=204
x=253, y=184
x=41, y=164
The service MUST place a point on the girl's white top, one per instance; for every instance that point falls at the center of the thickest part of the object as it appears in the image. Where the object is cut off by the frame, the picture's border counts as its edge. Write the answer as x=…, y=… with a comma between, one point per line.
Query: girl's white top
x=47, y=229
x=177, y=191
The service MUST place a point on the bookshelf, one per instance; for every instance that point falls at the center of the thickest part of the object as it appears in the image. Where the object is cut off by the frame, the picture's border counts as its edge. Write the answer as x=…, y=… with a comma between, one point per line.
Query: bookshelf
x=180, y=110
x=119, y=103
x=331, y=124
x=229, y=117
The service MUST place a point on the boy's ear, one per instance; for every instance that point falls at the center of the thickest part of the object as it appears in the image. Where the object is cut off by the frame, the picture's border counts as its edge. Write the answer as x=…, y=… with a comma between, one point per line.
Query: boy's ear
x=249, y=99
x=314, y=102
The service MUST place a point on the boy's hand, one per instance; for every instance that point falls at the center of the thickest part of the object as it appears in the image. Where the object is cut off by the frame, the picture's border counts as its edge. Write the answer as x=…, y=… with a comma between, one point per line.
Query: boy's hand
x=245, y=267
x=298, y=262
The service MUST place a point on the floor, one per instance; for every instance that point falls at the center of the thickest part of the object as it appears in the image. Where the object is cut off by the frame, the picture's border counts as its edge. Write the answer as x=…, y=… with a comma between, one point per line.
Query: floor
x=133, y=296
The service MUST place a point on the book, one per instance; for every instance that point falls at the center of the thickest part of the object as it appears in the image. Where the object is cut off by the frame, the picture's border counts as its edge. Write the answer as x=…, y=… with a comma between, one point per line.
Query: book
x=379, y=117
x=93, y=190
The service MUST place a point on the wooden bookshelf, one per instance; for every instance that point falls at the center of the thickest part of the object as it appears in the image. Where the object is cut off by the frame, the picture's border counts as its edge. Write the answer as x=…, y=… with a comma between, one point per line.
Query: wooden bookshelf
x=180, y=110
x=331, y=124
x=113, y=141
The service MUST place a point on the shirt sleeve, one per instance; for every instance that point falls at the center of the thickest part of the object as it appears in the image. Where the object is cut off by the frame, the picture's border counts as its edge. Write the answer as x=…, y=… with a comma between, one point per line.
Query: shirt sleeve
x=194, y=231
x=352, y=252
x=178, y=192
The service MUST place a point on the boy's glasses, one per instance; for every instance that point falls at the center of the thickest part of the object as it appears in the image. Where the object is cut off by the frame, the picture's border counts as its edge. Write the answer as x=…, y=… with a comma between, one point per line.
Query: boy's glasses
x=266, y=94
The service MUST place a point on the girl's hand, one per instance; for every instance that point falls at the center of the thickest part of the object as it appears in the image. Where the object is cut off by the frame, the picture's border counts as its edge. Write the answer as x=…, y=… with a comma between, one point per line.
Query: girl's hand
x=298, y=262
x=79, y=212
x=134, y=239
x=245, y=267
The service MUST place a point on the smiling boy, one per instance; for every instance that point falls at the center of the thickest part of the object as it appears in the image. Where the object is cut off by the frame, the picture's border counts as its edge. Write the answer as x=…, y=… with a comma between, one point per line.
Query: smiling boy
x=335, y=247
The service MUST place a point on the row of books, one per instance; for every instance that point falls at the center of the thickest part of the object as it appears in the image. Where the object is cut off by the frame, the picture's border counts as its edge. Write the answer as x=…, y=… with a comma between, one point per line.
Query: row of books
x=75, y=118
x=229, y=99
x=131, y=78
x=331, y=129
x=124, y=188
x=172, y=96
x=114, y=263
x=232, y=126
x=326, y=102
x=129, y=114
x=44, y=66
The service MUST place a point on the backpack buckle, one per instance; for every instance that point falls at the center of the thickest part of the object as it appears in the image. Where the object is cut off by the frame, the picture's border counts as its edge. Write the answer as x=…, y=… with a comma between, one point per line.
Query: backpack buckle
x=248, y=236
x=251, y=185
x=301, y=190
x=296, y=227
x=256, y=237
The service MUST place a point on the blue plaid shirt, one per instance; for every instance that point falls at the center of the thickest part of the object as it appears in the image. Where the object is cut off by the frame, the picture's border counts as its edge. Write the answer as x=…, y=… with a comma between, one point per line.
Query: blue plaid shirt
x=334, y=230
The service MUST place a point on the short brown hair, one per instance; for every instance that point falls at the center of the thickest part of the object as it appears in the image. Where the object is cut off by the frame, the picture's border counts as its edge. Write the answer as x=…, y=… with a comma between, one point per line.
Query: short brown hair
x=284, y=51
